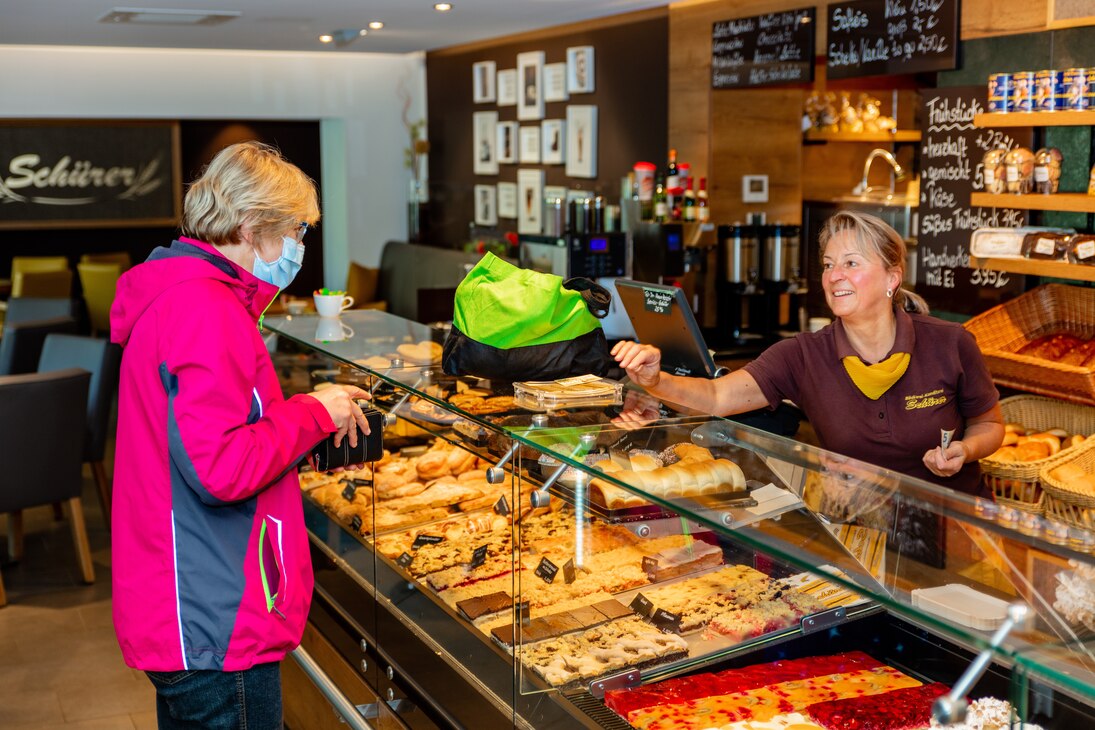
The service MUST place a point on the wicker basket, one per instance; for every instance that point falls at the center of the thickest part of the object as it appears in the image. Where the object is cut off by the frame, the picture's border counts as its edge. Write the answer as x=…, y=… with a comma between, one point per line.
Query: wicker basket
x=1018, y=484
x=1064, y=501
x=1049, y=309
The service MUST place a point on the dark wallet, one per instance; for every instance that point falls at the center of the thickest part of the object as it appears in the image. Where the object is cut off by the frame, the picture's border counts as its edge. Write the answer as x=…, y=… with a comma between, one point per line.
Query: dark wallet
x=325, y=456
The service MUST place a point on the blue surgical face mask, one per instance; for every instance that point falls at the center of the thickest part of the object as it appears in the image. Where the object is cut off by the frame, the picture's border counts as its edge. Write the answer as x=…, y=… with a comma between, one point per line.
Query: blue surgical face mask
x=282, y=271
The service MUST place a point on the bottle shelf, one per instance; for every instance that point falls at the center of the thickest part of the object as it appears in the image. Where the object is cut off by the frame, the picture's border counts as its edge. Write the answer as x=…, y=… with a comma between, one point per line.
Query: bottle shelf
x=1064, y=202
x=1034, y=267
x=1035, y=119
x=900, y=135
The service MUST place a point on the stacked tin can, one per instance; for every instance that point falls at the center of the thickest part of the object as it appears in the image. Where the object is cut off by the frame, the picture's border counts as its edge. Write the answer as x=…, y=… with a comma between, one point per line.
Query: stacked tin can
x=1048, y=90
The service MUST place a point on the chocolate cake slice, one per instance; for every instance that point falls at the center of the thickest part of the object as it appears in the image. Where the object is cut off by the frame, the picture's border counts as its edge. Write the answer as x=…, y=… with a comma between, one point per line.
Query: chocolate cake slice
x=473, y=608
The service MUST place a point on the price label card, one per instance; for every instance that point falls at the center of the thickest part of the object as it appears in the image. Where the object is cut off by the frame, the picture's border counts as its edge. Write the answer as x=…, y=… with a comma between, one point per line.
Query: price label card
x=524, y=615
x=546, y=570
x=479, y=556
x=426, y=540
x=502, y=506
x=668, y=622
x=362, y=482
x=657, y=301
x=356, y=522
x=404, y=560
x=348, y=492
x=569, y=574
x=650, y=567
x=642, y=606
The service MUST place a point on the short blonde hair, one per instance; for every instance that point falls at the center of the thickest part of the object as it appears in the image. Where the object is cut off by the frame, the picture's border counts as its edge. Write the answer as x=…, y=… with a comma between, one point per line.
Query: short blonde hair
x=248, y=182
x=874, y=238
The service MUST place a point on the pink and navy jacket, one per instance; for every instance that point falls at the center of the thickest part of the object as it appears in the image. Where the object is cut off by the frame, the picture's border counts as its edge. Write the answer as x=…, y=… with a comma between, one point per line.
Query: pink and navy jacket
x=210, y=556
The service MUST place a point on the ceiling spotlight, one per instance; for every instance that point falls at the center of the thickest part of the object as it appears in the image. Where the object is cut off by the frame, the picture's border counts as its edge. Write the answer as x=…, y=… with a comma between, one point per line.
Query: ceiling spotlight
x=343, y=36
x=376, y=25
x=442, y=7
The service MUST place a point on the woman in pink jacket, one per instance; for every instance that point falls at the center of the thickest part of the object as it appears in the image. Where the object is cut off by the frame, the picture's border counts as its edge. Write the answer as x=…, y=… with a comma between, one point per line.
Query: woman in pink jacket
x=212, y=577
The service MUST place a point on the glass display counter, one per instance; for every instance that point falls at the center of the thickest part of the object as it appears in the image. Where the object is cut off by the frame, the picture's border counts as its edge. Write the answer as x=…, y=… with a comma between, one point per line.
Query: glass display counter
x=507, y=567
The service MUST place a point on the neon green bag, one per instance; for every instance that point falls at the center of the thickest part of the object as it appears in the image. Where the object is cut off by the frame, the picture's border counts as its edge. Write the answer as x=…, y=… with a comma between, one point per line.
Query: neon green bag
x=518, y=324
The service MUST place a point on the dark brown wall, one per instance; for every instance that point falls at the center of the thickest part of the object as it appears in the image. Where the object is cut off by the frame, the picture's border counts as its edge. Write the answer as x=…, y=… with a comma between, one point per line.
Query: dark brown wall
x=631, y=96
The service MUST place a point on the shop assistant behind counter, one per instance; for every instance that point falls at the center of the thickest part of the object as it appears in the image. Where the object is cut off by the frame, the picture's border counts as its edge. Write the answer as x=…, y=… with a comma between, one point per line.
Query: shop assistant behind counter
x=879, y=384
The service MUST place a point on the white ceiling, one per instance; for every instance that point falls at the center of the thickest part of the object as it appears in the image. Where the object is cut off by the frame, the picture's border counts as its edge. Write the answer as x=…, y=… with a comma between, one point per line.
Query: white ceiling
x=284, y=25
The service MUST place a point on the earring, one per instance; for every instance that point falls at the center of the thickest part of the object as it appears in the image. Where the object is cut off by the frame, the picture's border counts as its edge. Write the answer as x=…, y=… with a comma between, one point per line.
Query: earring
x=889, y=293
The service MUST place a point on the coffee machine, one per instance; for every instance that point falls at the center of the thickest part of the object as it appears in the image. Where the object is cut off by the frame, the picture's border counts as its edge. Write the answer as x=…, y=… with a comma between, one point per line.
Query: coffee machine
x=592, y=255
x=782, y=279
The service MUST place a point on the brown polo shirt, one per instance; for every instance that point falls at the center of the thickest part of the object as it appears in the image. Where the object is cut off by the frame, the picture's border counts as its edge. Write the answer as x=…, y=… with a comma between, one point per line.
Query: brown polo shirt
x=946, y=383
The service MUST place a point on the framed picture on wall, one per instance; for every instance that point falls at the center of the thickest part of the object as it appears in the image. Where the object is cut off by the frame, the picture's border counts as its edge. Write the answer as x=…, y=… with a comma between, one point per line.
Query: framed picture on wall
x=486, y=209
x=530, y=92
x=580, y=70
x=507, y=142
x=482, y=82
x=530, y=201
x=507, y=87
x=507, y=200
x=530, y=145
x=484, y=134
x=581, y=129
x=555, y=82
x=553, y=141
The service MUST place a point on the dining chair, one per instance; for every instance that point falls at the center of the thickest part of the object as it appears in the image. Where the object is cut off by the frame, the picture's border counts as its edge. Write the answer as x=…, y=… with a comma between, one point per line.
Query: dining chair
x=122, y=258
x=23, y=264
x=55, y=284
x=99, y=282
x=42, y=425
x=21, y=345
x=27, y=309
x=102, y=359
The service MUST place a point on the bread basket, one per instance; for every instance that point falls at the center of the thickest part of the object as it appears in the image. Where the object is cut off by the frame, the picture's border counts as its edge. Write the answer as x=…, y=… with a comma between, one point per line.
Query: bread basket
x=1018, y=484
x=1068, y=502
x=1049, y=309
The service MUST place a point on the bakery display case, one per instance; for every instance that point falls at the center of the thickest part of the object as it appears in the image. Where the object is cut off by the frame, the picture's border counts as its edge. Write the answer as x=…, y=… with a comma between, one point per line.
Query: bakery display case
x=561, y=566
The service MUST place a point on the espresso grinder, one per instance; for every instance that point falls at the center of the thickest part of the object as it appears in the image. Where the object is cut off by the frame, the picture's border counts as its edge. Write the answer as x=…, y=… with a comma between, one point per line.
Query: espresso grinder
x=781, y=274
x=739, y=295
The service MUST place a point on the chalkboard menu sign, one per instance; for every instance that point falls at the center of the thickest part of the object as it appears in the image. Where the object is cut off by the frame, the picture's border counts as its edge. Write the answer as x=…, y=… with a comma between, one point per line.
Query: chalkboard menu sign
x=66, y=174
x=872, y=37
x=764, y=50
x=950, y=160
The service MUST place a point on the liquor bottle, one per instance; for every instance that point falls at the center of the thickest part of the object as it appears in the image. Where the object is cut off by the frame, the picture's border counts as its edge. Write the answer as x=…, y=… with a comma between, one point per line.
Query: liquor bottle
x=688, y=205
x=672, y=175
x=703, y=213
x=661, y=203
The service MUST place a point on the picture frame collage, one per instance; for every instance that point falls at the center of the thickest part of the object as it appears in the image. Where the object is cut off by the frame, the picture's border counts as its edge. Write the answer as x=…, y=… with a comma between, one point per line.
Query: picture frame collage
x=516, y=132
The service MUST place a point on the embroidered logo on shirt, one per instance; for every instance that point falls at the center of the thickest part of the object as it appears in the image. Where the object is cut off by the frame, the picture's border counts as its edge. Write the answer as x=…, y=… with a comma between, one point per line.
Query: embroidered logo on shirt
x=925, y=400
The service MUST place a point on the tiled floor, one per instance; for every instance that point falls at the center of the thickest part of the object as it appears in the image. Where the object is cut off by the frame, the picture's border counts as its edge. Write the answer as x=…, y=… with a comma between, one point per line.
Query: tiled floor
x=60, y=666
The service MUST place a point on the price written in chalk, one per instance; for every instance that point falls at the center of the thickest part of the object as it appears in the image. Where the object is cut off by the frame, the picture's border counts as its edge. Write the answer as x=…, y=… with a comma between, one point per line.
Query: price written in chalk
x=657, y=301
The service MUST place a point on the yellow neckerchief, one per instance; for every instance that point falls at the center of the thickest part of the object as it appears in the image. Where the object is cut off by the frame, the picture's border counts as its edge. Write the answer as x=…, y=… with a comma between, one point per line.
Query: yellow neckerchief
x=874, y=380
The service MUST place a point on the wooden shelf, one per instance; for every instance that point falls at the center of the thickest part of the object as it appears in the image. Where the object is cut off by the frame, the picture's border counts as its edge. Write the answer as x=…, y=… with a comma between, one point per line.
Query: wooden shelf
x=1034, y=119
x=1034, y=267
x=901, y=135
x=1065, y=202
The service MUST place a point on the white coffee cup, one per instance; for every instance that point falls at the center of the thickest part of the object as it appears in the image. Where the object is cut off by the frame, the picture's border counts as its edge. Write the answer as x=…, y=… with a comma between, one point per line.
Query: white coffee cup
x=331, y=305
x=296, y=307
x=330, y=329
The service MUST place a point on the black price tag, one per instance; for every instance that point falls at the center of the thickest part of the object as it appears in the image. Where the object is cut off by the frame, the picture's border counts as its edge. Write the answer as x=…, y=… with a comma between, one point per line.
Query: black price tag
x=361, y=482
x=569, y=574
x=657, y=301
x=426, y=540
x=479, y=556
x=650, y=567
x=524, y=615
x=642, y=605
x=668, y=622
x=404, y=560
x=348, y=492
x=502, y=506
x=547, y=570
x=356, y=522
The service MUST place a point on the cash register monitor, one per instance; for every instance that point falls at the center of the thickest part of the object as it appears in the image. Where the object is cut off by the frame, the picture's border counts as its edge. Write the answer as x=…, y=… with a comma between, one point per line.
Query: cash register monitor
x=662, y=318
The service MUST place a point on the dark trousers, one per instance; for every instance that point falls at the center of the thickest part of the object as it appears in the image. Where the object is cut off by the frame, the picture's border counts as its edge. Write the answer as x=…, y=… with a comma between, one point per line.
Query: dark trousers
x=212, y=700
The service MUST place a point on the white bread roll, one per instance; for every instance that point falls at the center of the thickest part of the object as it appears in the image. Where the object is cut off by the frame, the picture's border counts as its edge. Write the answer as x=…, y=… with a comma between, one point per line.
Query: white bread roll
x=668, y=480
x=643, y=462
x=730, y=475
